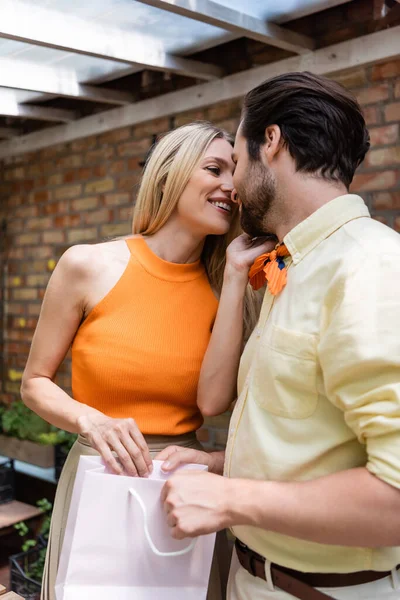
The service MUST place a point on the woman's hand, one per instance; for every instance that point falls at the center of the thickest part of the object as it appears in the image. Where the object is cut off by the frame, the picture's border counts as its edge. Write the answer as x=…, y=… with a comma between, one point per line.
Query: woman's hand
x=121, y=436
x=243, y=251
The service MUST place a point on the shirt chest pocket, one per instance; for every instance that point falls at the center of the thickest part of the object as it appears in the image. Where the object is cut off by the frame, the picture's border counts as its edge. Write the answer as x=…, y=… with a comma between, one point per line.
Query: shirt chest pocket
x=285, y=373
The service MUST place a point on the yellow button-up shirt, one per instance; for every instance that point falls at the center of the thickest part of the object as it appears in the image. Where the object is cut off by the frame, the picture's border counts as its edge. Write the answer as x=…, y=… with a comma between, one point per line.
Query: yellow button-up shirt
x=319, y=380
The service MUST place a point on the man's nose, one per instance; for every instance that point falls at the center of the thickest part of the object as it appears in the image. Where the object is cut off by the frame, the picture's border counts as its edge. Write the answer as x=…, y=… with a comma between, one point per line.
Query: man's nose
x=234, y=196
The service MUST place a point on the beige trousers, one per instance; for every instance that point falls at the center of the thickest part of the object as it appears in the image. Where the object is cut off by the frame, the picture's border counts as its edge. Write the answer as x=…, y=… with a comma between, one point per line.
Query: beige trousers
x=243, y=586
x=217, y=585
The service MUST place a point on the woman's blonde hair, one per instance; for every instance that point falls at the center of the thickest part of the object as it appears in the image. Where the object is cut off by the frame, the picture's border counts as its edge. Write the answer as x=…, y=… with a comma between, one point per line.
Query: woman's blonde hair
x=166, y=175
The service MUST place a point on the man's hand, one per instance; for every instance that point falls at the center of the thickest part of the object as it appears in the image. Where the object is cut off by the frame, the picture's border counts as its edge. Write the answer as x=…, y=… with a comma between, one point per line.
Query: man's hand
x=176, y=456
x=196, y=503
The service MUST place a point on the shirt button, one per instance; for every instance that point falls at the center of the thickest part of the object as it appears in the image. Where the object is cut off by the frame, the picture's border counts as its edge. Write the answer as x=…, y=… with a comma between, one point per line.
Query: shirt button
x=258, y=331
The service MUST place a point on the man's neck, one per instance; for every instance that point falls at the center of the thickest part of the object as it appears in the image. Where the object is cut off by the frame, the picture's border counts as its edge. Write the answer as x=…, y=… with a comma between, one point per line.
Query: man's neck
x=300, y=199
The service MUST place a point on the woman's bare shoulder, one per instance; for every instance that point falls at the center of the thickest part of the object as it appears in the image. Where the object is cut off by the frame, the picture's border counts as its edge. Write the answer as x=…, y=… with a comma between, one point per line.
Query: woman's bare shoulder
x=86, y=260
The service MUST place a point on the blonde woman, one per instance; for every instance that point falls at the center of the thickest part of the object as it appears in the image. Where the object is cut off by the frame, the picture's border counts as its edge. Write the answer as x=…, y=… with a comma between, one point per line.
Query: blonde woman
x=138, y=313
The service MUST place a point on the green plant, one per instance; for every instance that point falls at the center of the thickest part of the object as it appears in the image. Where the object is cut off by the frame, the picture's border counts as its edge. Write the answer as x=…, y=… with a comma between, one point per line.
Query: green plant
x=17, y=420
x=35, y=569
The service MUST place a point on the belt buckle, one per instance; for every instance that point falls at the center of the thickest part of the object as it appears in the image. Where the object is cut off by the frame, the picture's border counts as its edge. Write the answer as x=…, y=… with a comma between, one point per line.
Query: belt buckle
x=242, y=546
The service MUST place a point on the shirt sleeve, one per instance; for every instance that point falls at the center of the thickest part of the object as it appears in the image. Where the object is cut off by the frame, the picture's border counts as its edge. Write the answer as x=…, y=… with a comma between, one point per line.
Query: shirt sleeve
x=359, y=353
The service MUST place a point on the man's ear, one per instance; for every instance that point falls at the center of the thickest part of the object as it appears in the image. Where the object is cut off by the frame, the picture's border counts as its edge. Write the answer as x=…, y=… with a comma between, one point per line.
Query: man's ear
x=273, y=142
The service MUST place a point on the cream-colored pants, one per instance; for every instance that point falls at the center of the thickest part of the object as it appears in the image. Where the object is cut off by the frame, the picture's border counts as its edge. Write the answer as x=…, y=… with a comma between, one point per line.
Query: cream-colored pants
x=243, y=586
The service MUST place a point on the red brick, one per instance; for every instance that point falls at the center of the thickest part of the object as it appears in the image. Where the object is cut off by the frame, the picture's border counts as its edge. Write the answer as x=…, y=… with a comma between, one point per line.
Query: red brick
x=150, y=128
x=353, y=79
x=37, y=280
x=113, y=137
x=28, y=211
x=127, y=183
x=115, y=230
x=117, y=199
x=387, y=201
x=189, y=117
x=87, y=234
x=15, y=253
x=55, y=208
x=135, y=164
x=38, y=266
x=100, y=186
x=24, y=294
x=84, y=204
x=84, y=144
x=373, y=94
x=230, y=125
x=34, y=170
x=14, y=174
x=100, y=155
x=386, y=70
x=99, y=171
x=397, y=89
x=384, y=157
x=38, y=223
x=381, y=136
x=27, y=239
x=118, y=166
x=69, y=161
x=34, y=309
x=125, y=214
x=53, y=237
x=397, y=223
x=40, y=252
x=16, y=226
x=68, y=191
x=135, y=148
x=53, y=151
x=95, y=217
x=383, y=180
x=392, y=112
x=55, y=179
x=14, y=308
x=67, y=221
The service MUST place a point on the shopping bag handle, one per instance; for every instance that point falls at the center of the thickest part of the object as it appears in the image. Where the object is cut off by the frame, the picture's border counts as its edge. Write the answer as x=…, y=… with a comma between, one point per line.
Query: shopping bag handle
x=153, y=547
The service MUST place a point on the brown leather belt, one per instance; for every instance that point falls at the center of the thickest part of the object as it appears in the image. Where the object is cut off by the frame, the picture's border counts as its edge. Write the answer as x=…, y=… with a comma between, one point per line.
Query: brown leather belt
x=298, y=584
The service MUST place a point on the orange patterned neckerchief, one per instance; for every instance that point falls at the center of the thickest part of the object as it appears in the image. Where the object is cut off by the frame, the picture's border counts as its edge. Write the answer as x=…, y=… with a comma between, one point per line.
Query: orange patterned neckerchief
x=270, y=268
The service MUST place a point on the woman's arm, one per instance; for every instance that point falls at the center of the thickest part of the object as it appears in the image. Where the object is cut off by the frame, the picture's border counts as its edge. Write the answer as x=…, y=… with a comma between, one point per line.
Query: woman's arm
x=62, y=312
x=217, y=382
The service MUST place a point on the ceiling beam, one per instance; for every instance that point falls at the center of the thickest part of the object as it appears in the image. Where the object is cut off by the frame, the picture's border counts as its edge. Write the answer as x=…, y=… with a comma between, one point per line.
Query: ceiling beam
x=237, y=22
x=9, y=107
x=26, y=22
x=23, y=75
x=373, y=48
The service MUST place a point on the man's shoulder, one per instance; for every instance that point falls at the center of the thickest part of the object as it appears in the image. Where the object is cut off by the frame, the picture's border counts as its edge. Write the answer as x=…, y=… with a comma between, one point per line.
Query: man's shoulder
x=368, y=238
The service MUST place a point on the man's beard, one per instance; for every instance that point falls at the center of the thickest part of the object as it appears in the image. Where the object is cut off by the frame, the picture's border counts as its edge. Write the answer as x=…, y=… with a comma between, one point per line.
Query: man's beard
x=257, y=193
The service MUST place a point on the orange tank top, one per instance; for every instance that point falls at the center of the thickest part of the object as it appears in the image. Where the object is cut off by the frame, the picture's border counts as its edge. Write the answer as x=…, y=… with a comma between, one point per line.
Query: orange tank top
x=139, y=352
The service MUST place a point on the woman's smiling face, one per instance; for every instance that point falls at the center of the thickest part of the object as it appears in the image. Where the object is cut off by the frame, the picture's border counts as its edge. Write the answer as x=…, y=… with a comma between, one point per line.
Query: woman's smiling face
x=205, y=205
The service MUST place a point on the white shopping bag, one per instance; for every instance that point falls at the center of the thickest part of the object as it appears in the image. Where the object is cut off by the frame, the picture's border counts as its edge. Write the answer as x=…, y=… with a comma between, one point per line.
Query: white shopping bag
x=118, y=546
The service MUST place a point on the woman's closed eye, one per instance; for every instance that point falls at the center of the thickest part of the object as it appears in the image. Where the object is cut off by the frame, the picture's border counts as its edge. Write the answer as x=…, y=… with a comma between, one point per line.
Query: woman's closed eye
x=214, y=170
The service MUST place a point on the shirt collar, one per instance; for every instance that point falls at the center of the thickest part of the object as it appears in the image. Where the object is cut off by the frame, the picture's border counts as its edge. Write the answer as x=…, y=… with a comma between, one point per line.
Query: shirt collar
x=322, y=223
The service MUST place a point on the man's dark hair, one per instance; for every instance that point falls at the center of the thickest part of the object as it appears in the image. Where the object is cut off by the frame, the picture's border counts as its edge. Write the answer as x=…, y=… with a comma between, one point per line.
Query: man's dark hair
x=321, y=124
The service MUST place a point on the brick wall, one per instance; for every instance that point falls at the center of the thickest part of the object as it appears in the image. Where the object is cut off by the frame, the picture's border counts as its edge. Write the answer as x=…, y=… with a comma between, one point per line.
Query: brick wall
x=83, y=191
